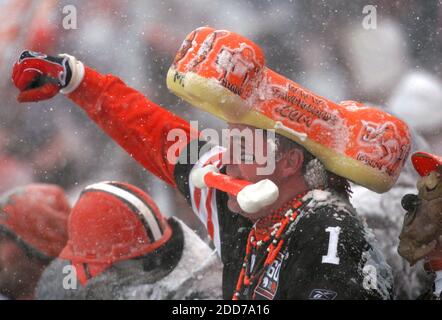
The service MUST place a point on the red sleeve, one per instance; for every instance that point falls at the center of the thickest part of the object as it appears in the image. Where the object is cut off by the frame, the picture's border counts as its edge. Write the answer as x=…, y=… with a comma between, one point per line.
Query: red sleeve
x=135, y=123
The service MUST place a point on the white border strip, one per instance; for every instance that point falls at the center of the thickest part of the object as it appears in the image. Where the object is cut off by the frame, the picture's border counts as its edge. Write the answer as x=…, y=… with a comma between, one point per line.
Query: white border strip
x=145, y=211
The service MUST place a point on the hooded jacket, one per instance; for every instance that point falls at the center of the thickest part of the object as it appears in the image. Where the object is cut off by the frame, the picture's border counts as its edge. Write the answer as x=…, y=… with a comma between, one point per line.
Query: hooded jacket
x=186, y=268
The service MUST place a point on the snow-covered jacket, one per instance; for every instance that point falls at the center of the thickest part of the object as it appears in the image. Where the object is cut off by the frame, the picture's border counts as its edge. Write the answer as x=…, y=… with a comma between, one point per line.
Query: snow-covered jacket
x=195, y=273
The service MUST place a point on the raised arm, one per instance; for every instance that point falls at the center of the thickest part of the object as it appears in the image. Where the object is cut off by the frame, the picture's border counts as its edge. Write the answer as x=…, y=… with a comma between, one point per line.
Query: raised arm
x=138, y=125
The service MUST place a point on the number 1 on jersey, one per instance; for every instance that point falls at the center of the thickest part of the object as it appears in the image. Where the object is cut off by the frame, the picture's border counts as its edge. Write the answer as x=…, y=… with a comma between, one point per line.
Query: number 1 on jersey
x=332, y=253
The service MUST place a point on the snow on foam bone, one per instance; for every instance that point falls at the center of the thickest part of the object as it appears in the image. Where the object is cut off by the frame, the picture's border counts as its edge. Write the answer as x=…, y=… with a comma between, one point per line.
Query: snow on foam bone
x=300, y=135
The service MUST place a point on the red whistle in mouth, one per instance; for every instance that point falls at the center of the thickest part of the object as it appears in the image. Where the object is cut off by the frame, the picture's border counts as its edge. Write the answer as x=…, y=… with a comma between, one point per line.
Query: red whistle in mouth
x=251, y=197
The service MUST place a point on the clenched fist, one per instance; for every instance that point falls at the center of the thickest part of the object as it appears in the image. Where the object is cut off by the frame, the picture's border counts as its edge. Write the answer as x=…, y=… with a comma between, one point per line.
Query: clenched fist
x=40, y=77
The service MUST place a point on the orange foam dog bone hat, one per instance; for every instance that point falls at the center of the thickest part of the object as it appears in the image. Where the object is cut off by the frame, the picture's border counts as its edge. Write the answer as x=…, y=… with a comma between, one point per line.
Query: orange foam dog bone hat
x=224, y=73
